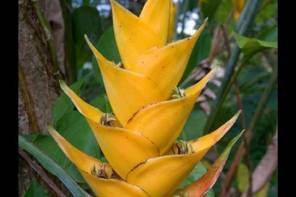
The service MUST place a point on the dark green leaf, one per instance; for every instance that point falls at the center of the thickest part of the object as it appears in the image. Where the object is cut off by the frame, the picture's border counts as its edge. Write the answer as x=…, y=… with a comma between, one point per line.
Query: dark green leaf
x=76, y=130
x=194, y=125
x=107, y=46
x=51, y=166
x=269, y=34
x=86, y=20
x=209, y=8
x=63, y=104
x=35, y=190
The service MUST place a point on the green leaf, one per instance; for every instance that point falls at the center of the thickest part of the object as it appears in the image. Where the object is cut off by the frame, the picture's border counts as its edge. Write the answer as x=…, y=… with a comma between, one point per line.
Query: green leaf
x=35, y=190
x=269, y=34
x=76, y=130
x=209, y=8
x=63, y=104
x=242, y=177
x=107, y=45
x=194, y=125
x=86, y=20
x=250, y=46
x=51, y=166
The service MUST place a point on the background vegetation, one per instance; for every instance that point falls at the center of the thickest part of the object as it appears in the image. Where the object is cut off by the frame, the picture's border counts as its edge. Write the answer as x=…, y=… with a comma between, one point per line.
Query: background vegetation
x=241, y=42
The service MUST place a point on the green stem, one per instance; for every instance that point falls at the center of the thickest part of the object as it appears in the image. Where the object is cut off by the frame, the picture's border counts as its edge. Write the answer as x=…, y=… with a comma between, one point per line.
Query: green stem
x=243, y=27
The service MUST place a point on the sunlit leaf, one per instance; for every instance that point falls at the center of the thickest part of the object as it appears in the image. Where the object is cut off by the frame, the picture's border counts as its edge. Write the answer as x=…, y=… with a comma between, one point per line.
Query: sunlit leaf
x=250, y=46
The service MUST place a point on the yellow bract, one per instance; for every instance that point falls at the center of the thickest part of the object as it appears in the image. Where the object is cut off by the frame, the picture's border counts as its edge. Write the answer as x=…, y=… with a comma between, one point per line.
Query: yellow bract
x=166, y=65
x=171, y=117
x=170, y=170
x=85, y=164
x=127, y=91
x=238, y=8
x=136, y=149
x=134, y=35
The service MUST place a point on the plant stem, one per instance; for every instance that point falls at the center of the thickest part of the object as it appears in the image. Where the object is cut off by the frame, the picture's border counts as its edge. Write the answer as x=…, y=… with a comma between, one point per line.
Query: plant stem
x=243, y=26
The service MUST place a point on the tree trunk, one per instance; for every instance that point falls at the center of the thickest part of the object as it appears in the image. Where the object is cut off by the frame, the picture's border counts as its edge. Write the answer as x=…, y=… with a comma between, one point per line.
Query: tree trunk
x=39, y=68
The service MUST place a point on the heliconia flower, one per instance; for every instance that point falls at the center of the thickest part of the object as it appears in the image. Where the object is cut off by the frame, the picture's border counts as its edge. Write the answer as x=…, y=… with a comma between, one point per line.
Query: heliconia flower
x=150, y=111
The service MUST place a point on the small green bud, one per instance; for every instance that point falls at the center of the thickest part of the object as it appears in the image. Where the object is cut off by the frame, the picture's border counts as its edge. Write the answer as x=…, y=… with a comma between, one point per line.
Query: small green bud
x=178, y=93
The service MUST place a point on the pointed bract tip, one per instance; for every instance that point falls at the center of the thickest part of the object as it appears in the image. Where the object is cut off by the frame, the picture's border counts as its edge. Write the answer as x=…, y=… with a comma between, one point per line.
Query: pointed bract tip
x=212, y=73
x=87, y=39
x=62, y=83
x=236, y=138
x=63, y=86
x=238, y=113
x=112, y=2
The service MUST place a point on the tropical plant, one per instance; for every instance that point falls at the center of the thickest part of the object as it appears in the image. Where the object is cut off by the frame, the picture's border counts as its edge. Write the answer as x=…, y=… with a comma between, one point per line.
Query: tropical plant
x=139, y=139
